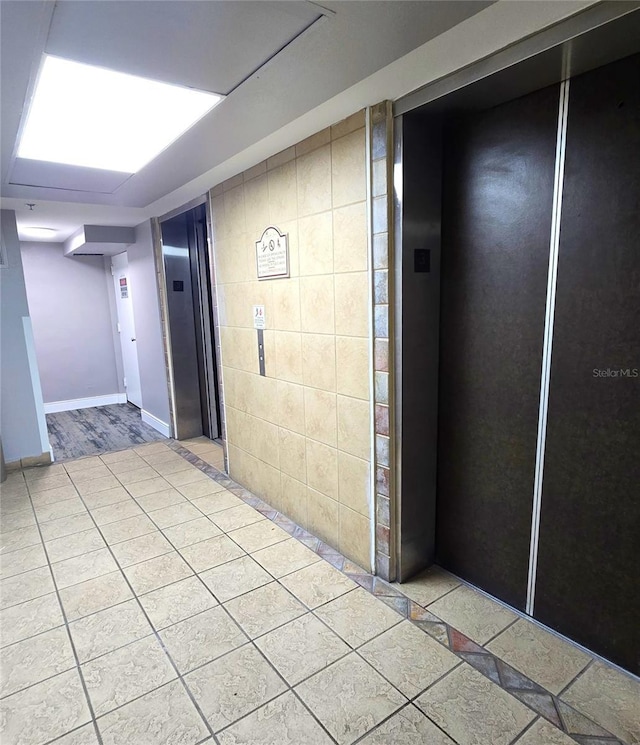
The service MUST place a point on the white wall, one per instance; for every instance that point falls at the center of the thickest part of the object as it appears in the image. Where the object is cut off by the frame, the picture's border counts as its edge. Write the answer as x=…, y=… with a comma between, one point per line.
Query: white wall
x=72, y=323
x=22, y=421
x=146, y=311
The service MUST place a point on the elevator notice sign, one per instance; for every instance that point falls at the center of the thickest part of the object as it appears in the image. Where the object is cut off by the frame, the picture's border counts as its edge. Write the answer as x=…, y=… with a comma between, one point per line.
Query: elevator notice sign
x=258, y=317
x=272, y=254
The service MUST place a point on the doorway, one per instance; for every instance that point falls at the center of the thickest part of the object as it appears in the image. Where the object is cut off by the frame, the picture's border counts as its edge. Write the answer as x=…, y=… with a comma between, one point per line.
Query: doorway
x=126, y=328
x=188, y=282
x=532, y=380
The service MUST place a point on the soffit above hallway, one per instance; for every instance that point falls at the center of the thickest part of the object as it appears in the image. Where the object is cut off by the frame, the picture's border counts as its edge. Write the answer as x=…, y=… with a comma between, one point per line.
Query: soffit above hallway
x=275, y=61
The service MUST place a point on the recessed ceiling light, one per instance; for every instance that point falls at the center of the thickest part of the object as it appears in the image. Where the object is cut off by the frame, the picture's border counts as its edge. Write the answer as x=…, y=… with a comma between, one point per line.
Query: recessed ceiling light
x=34, y=232
x=88, y=116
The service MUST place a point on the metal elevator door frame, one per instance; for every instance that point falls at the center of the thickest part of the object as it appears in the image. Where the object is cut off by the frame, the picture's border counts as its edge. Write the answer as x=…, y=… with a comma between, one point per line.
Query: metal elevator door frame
x=184, y=243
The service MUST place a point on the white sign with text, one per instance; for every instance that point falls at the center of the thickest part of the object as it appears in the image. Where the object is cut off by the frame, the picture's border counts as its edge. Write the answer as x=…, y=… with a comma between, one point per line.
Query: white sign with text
x=272, y=254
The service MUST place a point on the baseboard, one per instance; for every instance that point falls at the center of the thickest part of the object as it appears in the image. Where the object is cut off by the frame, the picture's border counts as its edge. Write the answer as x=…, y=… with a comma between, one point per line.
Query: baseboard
x=85, y=403
x=156, y=423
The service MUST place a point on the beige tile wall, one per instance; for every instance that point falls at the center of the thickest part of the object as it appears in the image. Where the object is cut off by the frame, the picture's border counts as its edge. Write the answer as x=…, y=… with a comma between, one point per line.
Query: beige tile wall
x=301, y=436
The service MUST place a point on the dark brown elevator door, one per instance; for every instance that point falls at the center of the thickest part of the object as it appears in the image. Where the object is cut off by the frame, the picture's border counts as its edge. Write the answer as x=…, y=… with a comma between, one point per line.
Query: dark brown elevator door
x=588, y=584
x=497, y=205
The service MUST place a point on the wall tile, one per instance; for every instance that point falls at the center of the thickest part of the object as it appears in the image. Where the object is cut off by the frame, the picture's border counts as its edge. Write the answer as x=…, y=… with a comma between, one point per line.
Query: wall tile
x=379, y=178
x=381, y=355
x=314, y=181
x=352, y=304
x=382, y=419
x=256, y=199
x=322, y=468
x=382, y=387
x=319, y=361
x=380, y=216
x=320, y=416
x=234, y=209
x=255, y=171
x=380, y=251
x=383, y=514
x=288, y=351
x=284, y=313
x=294, y=500
x=348, y=167
x=282, y=194
x=348, y=125
x=290, y=399
x=315, y=244
x=381, y=320
x=352, y=366
x=381, y=287
x=323, y=516
x=293, y=459
x=317, y=301
x=382, y=450
x=353, y=482
x=353, y=427
x=355, y=537
x=315, y=141
x=350, y=249
x=233, y=182
x=284, y=156
x=382, y=480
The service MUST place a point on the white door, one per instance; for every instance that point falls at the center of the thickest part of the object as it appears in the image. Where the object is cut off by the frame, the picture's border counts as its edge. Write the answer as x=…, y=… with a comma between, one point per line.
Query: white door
x=126, y=327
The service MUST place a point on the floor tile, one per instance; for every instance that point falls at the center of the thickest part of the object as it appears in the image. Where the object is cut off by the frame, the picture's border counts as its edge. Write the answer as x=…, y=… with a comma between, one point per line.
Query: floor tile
x=43, y=472
x=50, y=495
x=138, y=474
x=473, y=613
x=349, y=698
x=160, y=499
x=97, y=485
x=94, y=595
x=285, y=557
x=610, y=698
x=53, y=481
x=187, y=475
x=212, y=503
x=90, y=474
x=79, y=464
x=119, y=455
x=358, y=616
x=130, y=464
x=144, y=547
x=236, y=517
x=174, y=515
x=66, y=526
x=108, y=630
x=119, y=677
x=106, y=497
x=177, y=601
x=22, y=560
x=60, y=549
x=259, y=535
x=473, y=710
x=202, y=638
x=26, y=586
x=20, y=538
x=149, y=486
x=408, y=727
x=56, y=510
x=113, y=513
x=283, y=721
x=82, y=736
x=211, y=552
x=301, y=648
x=193, y=531
x=150, y=448
x=318, y=584
x=125, y=530
x=408, y=658
x=165, y=716
x=264, y=609
x=28, y=619
x=154, y=573
x=44, y=711
x=543, y=733
x=234, y=685
x=17, y=520
x=200, y=489
x=83, y=567
x=428, y=586
x=35, y=659
x=545, y=658
x=235, y=578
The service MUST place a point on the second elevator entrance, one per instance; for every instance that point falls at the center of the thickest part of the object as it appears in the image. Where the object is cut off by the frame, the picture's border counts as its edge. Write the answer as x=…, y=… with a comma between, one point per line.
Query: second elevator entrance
x=192, y=345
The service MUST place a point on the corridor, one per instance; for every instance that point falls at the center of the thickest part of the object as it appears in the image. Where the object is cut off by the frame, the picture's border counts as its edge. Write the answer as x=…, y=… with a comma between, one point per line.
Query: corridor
x=148, y=599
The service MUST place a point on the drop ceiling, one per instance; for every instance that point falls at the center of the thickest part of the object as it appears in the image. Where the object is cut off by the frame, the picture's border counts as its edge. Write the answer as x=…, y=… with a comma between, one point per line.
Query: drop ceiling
x=279, y=63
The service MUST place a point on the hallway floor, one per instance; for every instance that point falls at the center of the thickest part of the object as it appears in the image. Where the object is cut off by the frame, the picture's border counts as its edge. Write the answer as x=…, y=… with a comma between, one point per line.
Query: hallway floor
x=100, y=429
x=147, y=599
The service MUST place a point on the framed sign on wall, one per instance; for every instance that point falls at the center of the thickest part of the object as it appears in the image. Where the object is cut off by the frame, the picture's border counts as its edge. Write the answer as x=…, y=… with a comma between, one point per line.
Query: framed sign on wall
x=272, y=254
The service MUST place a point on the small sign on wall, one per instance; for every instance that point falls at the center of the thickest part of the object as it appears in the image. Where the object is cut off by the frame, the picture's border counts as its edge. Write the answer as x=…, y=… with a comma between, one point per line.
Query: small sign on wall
x=258, y=317
x=272, y=254
x=124, y=290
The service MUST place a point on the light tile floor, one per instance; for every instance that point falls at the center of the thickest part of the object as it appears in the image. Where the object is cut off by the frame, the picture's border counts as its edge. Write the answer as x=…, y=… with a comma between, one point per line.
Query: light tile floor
x=146, y=599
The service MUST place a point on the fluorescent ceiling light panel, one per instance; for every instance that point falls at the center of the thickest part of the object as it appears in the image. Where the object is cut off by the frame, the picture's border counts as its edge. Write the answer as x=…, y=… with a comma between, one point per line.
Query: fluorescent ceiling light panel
x=88, y=116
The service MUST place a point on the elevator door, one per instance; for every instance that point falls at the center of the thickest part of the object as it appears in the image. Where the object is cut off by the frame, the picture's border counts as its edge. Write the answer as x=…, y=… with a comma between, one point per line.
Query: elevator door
x=496, y=222
x=589, y=551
